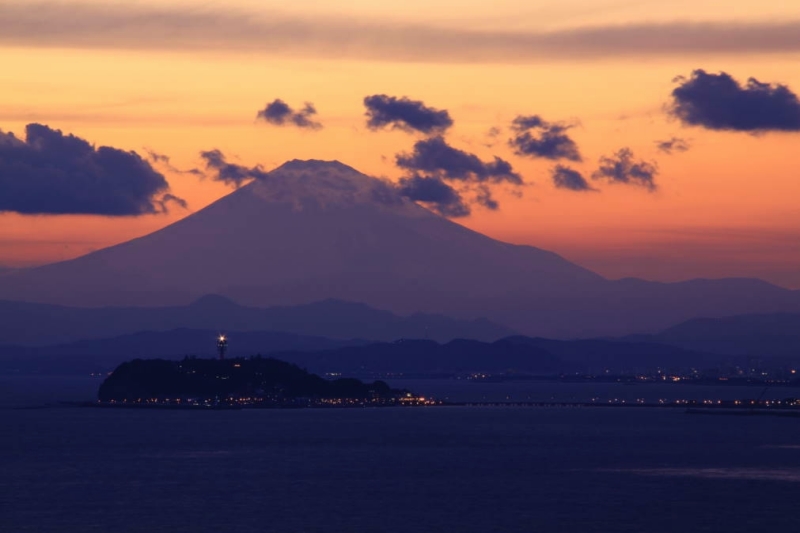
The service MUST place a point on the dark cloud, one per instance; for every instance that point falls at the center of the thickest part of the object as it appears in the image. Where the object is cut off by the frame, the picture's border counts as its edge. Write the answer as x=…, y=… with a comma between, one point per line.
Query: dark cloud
x=430, y=191
x=53, y=173
x=536, y=137
x=229, y=173
x=279, y=113
x=673, y=145
x=385, y=192
x=405, y=114
x=435, y=193
x=622, y=168
x=122, y=25
x=567, y=178
x=438, y=170
x=719, y=102
x=435, y=157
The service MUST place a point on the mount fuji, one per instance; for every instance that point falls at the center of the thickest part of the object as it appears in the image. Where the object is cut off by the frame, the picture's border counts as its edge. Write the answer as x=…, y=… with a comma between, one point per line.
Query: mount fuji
x=315, y=230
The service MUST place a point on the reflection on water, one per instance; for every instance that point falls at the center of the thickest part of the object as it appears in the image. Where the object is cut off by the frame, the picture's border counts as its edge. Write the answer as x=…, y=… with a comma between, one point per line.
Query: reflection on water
x=755, y=474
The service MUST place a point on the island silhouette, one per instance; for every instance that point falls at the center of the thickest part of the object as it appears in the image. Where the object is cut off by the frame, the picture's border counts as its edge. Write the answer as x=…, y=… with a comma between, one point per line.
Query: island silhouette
x=241, y=382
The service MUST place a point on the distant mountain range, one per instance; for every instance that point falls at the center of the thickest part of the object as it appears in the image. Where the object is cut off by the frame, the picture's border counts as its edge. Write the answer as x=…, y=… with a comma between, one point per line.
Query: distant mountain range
x=194, y=342
x=427, y=357
x=313, y=230
x=41, y=324
x=695, y=343
x=357, y=357
x=762, y=335
x=512, y=354
x=104, y=354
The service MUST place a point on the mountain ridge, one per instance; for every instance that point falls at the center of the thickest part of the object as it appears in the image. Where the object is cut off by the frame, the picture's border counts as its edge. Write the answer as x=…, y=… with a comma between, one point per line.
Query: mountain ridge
x=43, y=324
x=514, y=354
x=310, y=231
x=756, y=335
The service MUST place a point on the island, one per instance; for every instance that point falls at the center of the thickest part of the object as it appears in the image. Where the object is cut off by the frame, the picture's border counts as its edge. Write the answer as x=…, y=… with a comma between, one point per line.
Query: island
x=240, y=383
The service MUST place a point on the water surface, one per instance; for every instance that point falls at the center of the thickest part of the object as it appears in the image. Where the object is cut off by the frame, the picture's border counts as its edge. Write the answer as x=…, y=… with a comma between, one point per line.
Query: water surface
x=444, y=469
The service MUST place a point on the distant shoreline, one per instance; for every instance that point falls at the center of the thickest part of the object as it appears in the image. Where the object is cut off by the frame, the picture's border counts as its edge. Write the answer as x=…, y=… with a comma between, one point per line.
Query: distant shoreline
x=736, y=407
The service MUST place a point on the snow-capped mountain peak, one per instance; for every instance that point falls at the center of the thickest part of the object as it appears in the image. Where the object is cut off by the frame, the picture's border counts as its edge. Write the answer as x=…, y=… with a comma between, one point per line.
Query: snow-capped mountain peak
x=325, y=184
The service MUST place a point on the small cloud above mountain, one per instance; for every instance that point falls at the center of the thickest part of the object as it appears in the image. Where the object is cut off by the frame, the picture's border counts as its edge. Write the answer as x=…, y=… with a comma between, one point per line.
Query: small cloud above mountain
x=435, y=156
x=156, y=157
x=622, y=167
x=567, y=178
x=673, y=146
x=535, y=137
x=165, y=162
x=719, y=102
x=279, y=113
x=230, y=173
x=435, y=193
x=171, y=198
x=437, y=169
x=53, y=173
x=405, y=114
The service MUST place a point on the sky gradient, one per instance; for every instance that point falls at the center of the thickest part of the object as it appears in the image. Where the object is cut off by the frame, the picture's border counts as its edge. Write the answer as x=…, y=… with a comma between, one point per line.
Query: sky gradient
x=175, y=79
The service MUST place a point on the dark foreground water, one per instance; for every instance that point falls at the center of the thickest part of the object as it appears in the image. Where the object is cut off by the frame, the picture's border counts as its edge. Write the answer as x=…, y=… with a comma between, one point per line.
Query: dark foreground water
x=396, y=470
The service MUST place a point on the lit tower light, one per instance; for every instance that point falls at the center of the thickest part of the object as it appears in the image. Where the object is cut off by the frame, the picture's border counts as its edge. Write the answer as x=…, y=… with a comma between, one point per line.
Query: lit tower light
x=222, y=346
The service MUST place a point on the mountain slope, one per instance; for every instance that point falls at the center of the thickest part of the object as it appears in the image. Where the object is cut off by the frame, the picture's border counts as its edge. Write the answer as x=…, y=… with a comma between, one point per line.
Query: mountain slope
x=617, y=308
x=311, y=231
x=314, y=230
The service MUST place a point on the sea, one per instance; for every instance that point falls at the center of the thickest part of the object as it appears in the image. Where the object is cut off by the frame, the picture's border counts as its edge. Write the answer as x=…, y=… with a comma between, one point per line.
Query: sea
x=436, y=469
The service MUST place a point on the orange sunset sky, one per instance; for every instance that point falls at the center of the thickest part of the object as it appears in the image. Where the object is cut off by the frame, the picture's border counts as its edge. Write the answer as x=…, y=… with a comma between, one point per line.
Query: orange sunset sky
x=178, y=77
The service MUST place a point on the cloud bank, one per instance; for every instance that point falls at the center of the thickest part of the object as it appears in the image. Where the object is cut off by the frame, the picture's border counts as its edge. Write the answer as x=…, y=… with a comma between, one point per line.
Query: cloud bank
x=53, y=173
x=49, y=23
x=405, y=114
x=278, y=113
x=719, y=102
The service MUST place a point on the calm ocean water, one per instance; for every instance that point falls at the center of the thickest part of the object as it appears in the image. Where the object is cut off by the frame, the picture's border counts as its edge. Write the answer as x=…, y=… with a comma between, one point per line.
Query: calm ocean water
x=391, y=470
